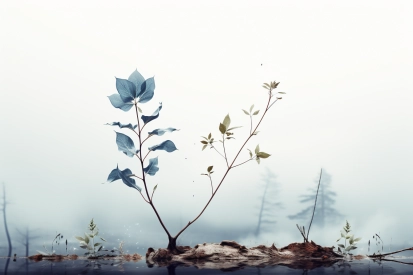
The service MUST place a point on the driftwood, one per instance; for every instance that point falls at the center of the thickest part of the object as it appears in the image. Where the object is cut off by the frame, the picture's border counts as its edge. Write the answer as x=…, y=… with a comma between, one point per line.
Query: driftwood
x=390, y=253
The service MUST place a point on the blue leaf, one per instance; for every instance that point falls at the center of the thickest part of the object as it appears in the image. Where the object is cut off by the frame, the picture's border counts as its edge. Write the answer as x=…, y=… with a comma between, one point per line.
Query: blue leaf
x=117, y=102
x=167, y=145
x=124, y=175
x=160, y=132
x=152, y=168
x=155, y=115
x=125, y=144
x=126, y=89
x=147, y=90
x=129, y=126
x=137, y=79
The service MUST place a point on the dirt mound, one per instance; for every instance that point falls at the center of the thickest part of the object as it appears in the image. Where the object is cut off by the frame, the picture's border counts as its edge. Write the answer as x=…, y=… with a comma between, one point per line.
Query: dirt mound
x=230, y=255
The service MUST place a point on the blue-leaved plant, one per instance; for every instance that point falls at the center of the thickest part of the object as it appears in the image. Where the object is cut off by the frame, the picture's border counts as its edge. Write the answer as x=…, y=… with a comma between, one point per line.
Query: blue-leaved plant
x=135, y=91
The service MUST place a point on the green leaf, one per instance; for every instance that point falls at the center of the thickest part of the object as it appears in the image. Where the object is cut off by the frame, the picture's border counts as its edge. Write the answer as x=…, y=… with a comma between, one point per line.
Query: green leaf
x=250, y=153
x=339, y=250
x=222, y=128
x=210, y=168
x=356, y=240
x=204, y=142
x=258, y=160
x=232, y=128
x=80, y=238
x=267, y=85
x=83, y=246
x=257, y=149
x=281, y=93
x=203, y=147
x=246, y=112
x=86, y=238
x=156, y=186
x=97, y=244
x=263, y=155
x=252, y=106
x=139, y=110
x=227, y=121
x=341, y=245
x=256, y=112
x=102, y=239
x=209, y=136
x=255, y=133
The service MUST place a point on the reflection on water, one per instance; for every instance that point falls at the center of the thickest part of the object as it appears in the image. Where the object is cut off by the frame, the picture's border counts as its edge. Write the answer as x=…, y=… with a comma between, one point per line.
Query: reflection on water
x=23, y=266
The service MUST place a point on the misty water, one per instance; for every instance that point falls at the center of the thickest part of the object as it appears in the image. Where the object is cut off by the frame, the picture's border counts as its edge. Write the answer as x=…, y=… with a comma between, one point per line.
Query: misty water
x=23, y=266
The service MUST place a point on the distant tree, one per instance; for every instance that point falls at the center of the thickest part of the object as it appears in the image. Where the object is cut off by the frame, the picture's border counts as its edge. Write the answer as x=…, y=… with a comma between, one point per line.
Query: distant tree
x=266, y=215
x=324, y=211
x=25, y=240
x=6, y=228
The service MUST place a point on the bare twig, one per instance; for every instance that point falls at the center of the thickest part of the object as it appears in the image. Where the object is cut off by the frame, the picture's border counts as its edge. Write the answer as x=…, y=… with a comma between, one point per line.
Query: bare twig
x=315, y=203
x=390, y=253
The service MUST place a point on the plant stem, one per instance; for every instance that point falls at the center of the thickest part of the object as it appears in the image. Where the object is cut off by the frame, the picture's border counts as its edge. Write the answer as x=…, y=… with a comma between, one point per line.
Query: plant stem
x=143, y=173
x=315, y=203
x=229, y=167
x=242, y=163
x=217, y=151
x=223, y=145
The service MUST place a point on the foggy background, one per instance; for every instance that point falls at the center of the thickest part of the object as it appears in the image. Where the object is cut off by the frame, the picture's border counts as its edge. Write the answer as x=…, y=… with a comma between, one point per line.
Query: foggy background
x=346, y=69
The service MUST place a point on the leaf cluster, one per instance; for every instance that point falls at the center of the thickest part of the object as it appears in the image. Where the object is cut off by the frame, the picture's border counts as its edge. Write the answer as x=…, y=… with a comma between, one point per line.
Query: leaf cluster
x=258, y=154
x=131, y=92
x=207, y=141
x=87, y=242
x=345, y=234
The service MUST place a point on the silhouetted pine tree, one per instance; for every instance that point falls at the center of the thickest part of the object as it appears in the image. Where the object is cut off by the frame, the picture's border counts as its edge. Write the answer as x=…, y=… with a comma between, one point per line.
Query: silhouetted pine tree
x=268, y=205
x=324, y=211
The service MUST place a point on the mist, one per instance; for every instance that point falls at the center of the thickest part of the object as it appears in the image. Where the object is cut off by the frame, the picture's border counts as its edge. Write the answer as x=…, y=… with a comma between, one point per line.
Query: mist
x=345, y=68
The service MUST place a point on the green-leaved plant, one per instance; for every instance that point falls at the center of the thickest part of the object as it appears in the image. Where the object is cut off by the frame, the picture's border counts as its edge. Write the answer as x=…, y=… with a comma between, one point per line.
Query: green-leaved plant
x=345, y=234
x=88, y=242
x=135, y=91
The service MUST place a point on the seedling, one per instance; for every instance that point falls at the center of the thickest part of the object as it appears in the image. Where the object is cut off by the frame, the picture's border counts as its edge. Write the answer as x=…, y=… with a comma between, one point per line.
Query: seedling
x=88, y=242
x=345, y=233
x=56, y=240
x=379, y=243
x=135, y=91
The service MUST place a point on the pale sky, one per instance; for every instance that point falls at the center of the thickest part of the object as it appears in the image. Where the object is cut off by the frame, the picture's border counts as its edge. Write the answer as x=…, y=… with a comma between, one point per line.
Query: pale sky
x=345, y=67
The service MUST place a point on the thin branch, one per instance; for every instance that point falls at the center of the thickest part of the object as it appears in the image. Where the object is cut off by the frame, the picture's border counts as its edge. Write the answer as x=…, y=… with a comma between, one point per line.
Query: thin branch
x=143, y=174
x=212, y=146
x=302, y=231
x=250, y=124
x=146, y=155
x=146, y=138
x=228, y=169
x=390, y=253
x=242, y=163
x=225, y=153
x=315, y=203
x=133, y=175
x=212, y=187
